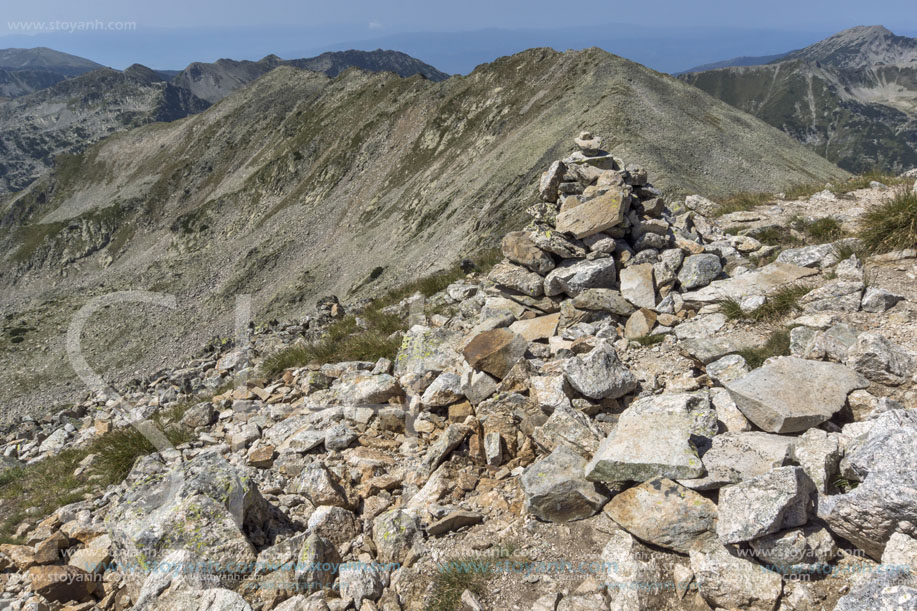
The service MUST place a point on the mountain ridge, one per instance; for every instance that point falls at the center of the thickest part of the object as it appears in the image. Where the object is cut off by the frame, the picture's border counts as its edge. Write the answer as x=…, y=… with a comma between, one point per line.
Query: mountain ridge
x=214, y=81
x=851, y=97
x=299, y=185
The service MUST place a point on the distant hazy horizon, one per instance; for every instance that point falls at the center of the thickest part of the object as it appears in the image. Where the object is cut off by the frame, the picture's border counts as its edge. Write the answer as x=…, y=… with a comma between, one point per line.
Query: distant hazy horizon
x=666, y=35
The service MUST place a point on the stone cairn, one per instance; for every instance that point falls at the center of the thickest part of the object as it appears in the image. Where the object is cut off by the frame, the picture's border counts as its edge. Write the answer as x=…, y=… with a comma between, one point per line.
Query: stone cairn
x=339, y=486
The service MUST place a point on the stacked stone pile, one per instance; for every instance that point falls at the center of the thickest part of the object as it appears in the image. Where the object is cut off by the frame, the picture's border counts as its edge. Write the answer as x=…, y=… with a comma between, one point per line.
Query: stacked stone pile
x=586, y=395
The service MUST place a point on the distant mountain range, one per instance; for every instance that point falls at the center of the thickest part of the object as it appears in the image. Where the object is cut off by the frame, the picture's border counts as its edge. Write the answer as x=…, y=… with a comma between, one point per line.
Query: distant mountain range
x=24, y=71
x=852, y=97
x=62, y=104
x=299, y=185
x=214, y=81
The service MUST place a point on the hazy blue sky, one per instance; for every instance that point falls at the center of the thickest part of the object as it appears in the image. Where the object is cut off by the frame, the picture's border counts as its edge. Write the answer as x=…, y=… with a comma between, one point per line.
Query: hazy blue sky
x=470, y=14
x=171, y=33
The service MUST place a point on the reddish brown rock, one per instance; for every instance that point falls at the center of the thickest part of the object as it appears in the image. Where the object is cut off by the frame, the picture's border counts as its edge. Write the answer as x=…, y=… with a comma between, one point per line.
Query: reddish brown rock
x=595, y=215
x=495, y=351
x=62, y=584
x=519, y=248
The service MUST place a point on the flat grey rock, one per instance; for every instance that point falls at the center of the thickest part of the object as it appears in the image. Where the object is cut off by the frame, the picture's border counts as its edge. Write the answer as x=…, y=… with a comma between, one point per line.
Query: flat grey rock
x=789, y=394
x=760, y=282
x=656, y=437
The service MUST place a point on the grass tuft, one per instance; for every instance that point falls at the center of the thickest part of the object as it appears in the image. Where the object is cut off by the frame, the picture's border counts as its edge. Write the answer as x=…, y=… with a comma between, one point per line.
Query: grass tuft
x=778, y=344
x=50, y=483
x=346, y=340
x=473, y=573
x=741, y=202
x=779, y=304
x=650, y=340
x=891, y=225
x=731, y=308
x=823, y=230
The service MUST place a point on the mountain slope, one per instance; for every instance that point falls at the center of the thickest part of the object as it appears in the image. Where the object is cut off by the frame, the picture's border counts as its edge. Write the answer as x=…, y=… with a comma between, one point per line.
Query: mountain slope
x=852, y=97
x=860, y=48
x=25, y=71
x=300, y=185
x=213, y=82
x=48, y=60
x=74, y=113
x=737, y=61
x=16, y=83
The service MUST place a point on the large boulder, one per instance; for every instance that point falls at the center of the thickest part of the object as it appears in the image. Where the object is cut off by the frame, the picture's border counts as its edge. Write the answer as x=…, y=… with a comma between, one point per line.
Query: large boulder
x=556, y=491
x=209, y=507
x=428, y=350
x=495, y=351
x=883, y=591
x=316, y=563
x=663, y=513
x=737, y=456
x=790, y=394
x=595, y=215
x=699, y=271
x=540, y=327
x=358, y=389
x=885, y=501
x=656, y=436
x=638, y=285
x=566, y=426
x=574, y=276
x=517, y=278
x=798, y=550
x=730, y=582
x=839, y=296
x=394, y=533
x=519, y=248
x=600, y=374
x=61, y=584
x=818, y=256
x=880, y=360
x=550, y=180
x=763, y=281
x=604, y=300
x=765, y=504
x=631, y=573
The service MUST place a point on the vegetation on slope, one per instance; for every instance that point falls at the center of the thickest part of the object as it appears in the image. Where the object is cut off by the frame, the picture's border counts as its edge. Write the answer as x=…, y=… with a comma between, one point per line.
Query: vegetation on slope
x=891, y=225
x=376, y=334
x=38, y=489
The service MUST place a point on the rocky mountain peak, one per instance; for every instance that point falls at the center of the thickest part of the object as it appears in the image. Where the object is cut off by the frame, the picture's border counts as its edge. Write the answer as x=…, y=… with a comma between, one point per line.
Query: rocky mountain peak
x=43, y=58
x=860, y=47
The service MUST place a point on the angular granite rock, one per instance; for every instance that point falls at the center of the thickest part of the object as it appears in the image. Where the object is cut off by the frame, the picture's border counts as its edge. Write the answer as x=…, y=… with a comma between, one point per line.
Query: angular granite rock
x=663, y=513
x=556, y=491
x=600, y=374
x=765, y=504
x=495, y=351
x=885, y=501
x=656, y=437
x=790, y=394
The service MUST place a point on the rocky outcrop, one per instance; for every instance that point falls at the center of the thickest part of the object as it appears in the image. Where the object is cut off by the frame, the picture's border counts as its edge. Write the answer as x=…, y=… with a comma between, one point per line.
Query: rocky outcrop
x=540, y=431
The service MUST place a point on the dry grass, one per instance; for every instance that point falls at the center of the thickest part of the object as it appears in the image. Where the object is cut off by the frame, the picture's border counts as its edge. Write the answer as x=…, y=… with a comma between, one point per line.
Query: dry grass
x=741, y=202
x=40, y=488
x=778, y=344
x=473, y=573
x=820, y=231
x=779, y=304
x=891, y=225
x=346, y=340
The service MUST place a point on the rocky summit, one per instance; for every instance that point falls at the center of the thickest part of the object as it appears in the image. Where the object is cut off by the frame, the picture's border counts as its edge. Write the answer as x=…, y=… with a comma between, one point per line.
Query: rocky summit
x=298, y=184
x=599, y=421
